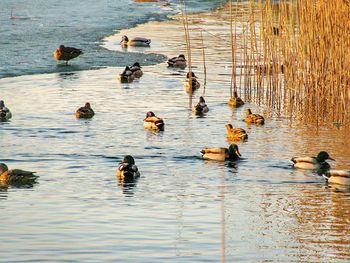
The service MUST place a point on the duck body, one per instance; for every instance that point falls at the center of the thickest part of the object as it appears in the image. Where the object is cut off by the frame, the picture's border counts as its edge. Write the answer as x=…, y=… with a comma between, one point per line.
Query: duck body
x=127, y=168
x=312, y=163
x=126, y=76
x=235, y=101
x=221, y=154
x=177, y=62
x=135, y=42
x=201, y=107
x=5, y=113
x=66, y=53
x=235, y=134
x=254, y=118
x=85, y=112
x=15, y=176
x=153, y=122
x=136, y=70
x=338, y=176
x=191, y=84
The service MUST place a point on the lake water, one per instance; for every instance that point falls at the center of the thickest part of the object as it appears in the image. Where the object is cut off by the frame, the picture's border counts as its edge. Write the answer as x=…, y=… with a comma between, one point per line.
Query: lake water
x=182, y=209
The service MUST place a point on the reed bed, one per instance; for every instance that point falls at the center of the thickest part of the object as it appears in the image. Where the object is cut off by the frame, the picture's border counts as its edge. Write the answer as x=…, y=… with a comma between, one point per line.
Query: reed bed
x=292, y=57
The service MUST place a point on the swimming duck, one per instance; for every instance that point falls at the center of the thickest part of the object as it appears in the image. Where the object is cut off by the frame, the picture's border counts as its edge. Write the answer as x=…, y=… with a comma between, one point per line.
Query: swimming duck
x=189, y=88
x=153, y=122
x=66, y=53
x=235, y=134
x=85, y=112
x=15, y=176
x=5, y=113
x=337, y=176
x=235, y=101
x=127, y=75
x=135, y=42
x=201, y=107
x=127, y=168
x=136, y=70
x=312, y=163
x=253, y=118
x=221, y=154
x=177, y=62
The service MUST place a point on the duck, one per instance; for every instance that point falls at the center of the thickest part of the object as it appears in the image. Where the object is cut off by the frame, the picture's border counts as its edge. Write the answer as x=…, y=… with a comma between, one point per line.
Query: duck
x=253, y=118
x=193, y=85
x=5, y=113
x=136, y=70
x=235, y=134
x=127, y=168
x=135, y=42
x=235, y=101
x=312, y=163
x=85, y=112
x=177, y=62
x=221, y=154
x=66, y=53
x=15, y=176
x=201, y=106
x=337, y=176
x=126, y=76
x=153, y=122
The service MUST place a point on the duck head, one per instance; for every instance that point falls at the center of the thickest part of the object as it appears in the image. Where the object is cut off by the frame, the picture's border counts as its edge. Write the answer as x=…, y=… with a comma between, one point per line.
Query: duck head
x=128, y=159
x=201, y=99
x=228, y=126
x=124, y=38
x=61, y=47
x=3, y=168
x=323, y=156
x=182, y=56
x=235, y=95
x=2, y=104
x=136, y=64
x=87, y=105
x=150, y=114
x=192, y=74
x=233, y=150
x=248, y=112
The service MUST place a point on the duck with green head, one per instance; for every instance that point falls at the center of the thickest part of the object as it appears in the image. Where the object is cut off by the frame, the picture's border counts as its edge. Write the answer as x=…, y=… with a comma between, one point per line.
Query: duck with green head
x=15, y=176
x=177, y=62
x=312, y=163
x=201, y=107
x=153, y=122
x=127, y=168
x=135, y=42
x=221, y=154
x=191, y=83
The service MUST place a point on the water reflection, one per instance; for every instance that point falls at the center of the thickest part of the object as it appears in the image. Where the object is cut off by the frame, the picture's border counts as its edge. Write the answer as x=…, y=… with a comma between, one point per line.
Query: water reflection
x=127, y=184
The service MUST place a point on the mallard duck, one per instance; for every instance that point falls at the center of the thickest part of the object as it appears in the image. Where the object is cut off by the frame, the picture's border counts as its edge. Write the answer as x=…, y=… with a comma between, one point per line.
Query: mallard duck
x=127, y=75
x=153, y=122
x=191, y=83
x=312, y=163
x=127, y=168
x=253, y=118
x=235, y=134
x=136, y=70
x=66, y=53
x=337, y=176
x=15, y=176
x=235, y=101
x=221, y=154
x=135, y=42
x=5, y=113
x=85, y=112
x=201, y=107
x=177, y=62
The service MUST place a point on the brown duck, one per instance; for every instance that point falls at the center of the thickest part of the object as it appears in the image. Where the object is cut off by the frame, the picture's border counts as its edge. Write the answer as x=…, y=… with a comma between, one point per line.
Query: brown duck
x=66, y=53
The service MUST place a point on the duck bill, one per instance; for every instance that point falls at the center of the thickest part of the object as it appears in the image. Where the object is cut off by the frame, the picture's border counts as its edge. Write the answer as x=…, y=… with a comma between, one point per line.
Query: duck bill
x=330, y=158
x=238, y=153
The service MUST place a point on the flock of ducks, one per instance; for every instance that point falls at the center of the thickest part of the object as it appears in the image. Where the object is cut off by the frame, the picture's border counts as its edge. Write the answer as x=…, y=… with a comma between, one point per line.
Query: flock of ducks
x=127, y=169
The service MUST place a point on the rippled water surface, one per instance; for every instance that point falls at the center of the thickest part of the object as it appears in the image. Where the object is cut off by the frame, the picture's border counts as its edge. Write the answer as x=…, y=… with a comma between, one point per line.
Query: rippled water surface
x=182, y=209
